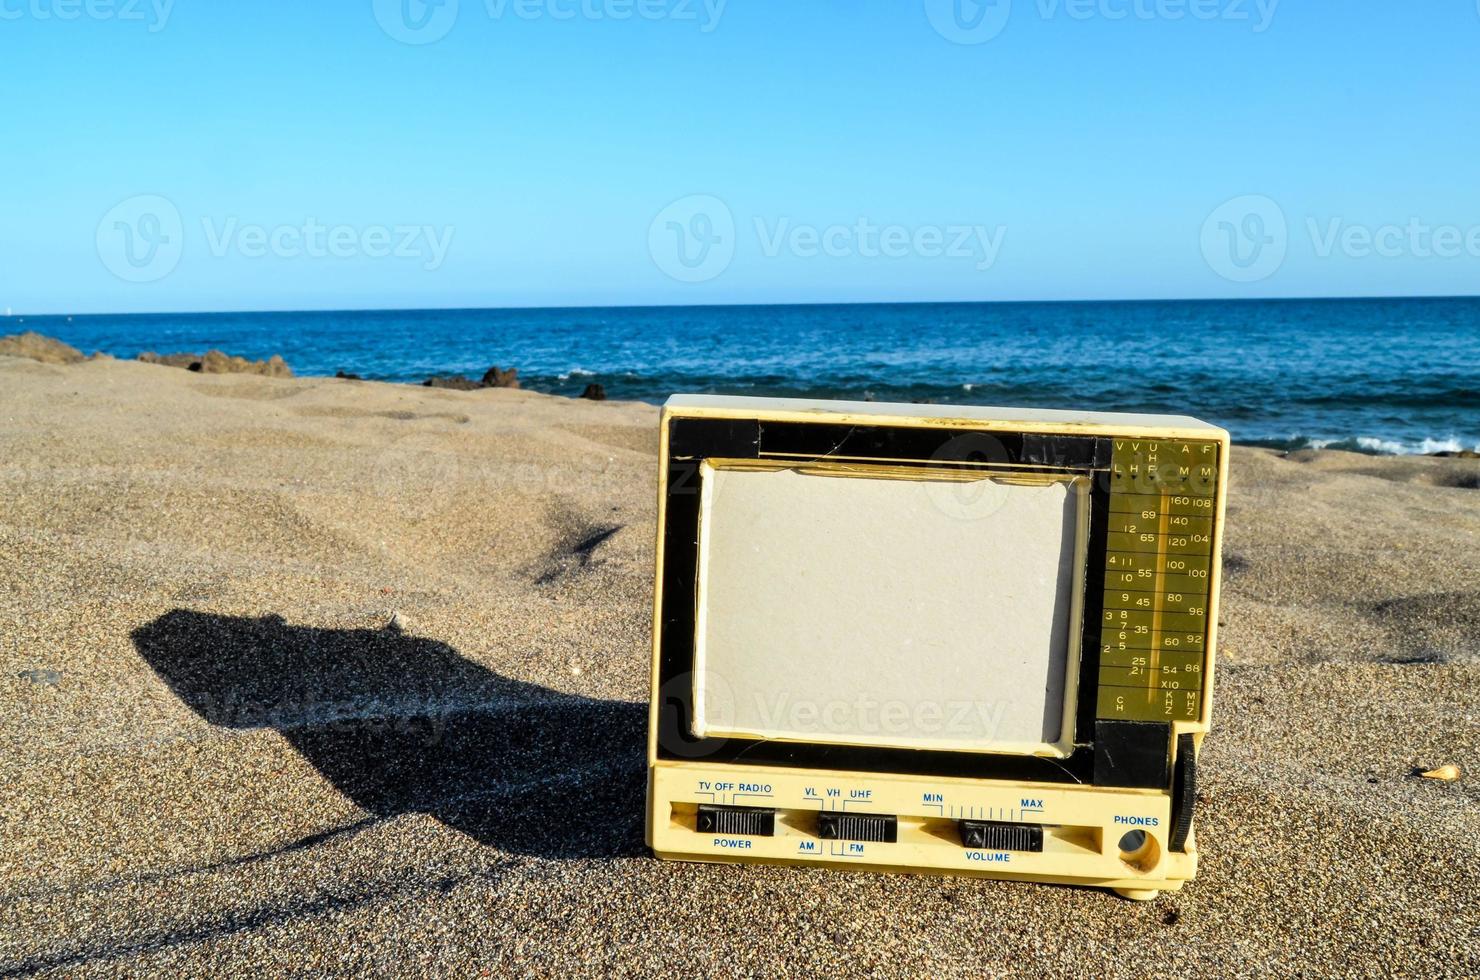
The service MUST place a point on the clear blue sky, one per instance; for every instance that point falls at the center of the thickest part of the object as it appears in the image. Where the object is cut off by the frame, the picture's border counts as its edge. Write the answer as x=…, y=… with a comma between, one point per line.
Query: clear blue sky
x=1089, y=142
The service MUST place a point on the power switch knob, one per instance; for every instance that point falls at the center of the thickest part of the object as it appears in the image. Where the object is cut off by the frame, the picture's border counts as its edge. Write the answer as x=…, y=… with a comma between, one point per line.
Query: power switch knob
x=738, y=821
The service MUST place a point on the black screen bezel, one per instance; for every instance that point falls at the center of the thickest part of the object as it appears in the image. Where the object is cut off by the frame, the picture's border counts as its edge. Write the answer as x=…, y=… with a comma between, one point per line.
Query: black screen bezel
x=693, y=440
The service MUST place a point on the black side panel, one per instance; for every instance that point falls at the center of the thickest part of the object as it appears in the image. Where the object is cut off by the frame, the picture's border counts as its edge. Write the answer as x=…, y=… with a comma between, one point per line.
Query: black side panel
x=1065, y=451
x=676, y=742
x=906, y=444
x=1132, y=754
x=1094, y=602
x=699, y=438
x=1184, y=792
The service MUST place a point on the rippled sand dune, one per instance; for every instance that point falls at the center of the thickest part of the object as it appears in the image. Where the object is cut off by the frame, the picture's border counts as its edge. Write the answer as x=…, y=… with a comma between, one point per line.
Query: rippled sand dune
x=309, y=673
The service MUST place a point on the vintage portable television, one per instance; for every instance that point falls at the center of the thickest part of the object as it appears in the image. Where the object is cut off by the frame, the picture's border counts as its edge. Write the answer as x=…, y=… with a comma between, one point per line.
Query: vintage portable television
x=934, y=638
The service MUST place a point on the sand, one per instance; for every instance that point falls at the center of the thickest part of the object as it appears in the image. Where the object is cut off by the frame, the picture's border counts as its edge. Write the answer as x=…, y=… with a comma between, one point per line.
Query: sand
x=322, y=674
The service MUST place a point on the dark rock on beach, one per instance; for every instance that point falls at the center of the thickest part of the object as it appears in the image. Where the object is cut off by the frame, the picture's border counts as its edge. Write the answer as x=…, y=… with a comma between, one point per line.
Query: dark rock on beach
x=49, y=350
x=494, y=377
x=346, y=376
x=1457, y=454
x=497, y=377
x=37, y=347
x=190, y=362
x=453, y=382
x=216, y=362
x=594, y=392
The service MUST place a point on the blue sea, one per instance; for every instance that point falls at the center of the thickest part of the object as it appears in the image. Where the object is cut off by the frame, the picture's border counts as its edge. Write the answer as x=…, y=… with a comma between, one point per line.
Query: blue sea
x=1373, y=375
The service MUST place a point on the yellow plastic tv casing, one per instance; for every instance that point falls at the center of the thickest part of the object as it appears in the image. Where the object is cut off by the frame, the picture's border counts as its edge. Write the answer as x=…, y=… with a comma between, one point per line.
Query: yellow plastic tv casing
x=1083, y=826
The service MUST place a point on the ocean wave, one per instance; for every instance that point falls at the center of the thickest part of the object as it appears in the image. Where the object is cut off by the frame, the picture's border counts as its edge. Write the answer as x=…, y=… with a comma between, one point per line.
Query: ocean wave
x=1377, y=446
x=575, y=373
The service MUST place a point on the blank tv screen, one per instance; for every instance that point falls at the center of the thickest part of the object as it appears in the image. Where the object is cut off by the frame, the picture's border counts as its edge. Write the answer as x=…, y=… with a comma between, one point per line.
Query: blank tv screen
x=879, y=610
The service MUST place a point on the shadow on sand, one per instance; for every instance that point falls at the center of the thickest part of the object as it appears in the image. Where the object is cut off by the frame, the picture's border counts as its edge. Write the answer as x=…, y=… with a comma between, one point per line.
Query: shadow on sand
x=402, y=724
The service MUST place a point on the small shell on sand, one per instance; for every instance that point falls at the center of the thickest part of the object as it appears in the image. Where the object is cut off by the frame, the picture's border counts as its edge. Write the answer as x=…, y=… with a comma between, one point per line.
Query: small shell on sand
x=1448, y=774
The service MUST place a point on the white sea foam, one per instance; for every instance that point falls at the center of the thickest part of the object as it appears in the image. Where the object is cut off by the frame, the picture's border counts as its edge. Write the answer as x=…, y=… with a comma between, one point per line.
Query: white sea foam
x=1450, y=445
x=1395, y=447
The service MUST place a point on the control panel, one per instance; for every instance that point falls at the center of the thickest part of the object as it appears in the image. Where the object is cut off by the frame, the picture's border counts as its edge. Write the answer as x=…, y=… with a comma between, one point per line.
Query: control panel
x=1117, y=838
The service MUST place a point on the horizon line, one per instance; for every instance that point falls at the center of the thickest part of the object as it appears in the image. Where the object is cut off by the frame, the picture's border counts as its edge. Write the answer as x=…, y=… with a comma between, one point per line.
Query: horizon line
x=691, y=306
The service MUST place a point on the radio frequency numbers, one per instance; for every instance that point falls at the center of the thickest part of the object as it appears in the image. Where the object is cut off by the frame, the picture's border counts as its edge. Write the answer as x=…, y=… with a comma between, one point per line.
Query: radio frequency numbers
x=1159, y=543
